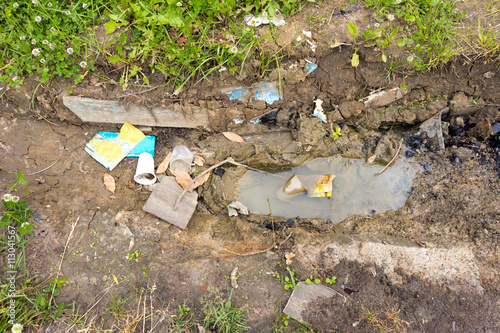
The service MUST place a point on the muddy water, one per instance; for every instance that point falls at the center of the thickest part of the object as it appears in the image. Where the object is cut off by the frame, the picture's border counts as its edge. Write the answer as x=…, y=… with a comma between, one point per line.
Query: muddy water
x=354, y=191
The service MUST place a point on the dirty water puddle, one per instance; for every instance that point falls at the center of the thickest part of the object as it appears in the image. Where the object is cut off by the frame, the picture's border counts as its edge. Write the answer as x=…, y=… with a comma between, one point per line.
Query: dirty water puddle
x=354, y=189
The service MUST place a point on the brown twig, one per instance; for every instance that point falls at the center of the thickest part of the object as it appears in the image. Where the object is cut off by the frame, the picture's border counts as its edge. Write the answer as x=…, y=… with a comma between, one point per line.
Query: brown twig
x=227, y=160
x=73, y=226
x=388, y=164
x=262, y=115
x=272, y=218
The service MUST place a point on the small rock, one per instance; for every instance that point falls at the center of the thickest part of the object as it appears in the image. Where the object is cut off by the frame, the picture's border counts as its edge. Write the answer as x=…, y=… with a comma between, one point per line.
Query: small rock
x=461, y=105
x=460, y=121
x=351, y=109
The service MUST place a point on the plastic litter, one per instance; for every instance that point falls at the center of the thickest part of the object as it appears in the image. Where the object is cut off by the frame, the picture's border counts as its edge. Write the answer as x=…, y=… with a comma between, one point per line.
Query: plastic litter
x=310, y=67
x=146, y=145
x=235, y=208
x=266, y=91
x=255, y=21
x=316, y=186
x=181, y=159
x=145, y=171
x=433, y=128
x=293, y=186
x=318, y=111
x=262, y=91
x=110, y=151
x=323, y=188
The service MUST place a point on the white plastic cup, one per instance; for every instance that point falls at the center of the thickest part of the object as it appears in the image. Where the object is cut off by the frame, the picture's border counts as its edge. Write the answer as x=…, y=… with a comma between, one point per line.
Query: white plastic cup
x=145, y=171
x=181, y=159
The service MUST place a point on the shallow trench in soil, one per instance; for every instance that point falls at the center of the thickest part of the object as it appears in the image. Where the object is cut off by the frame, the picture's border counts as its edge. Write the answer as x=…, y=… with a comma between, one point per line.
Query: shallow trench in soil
x=425, y=262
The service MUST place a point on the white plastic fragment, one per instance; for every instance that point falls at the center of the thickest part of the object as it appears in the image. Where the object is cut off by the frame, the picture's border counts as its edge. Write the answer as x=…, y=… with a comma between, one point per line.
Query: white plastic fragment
x=263, y=18
x=318, y=111
x=236, y=207
x=307, y=33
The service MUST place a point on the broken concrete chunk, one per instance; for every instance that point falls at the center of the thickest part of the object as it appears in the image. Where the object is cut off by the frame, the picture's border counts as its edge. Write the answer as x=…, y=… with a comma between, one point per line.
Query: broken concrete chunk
x=382, y=98
x=303, y=295
x=162, y=200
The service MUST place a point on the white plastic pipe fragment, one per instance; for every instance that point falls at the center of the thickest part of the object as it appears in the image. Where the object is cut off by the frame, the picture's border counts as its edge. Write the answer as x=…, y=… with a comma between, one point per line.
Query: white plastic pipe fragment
x=145, y=171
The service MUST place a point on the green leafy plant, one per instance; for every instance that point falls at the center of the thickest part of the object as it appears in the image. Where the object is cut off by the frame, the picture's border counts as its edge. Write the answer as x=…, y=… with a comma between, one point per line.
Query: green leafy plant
x=222, y=316
x=353, y=30
x=290, y=282
x=312, y=279
x=331, y=280
x=336, y=133
x=134, y=256
x=184, y=320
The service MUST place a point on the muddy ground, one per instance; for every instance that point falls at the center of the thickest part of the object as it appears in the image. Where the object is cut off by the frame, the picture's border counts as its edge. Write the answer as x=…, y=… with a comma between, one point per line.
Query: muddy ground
x=431, y=266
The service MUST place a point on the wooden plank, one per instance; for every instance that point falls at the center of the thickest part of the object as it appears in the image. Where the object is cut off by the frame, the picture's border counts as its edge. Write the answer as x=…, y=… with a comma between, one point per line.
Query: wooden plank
x=107, y=111
x=161, y=203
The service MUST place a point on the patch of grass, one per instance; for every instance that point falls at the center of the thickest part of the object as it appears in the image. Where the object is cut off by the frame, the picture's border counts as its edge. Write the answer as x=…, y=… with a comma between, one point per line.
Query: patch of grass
x=21, y=301
x=182, y=39
x=222, y=316
x=428, y=29
x=184, y=320
x=117, y=307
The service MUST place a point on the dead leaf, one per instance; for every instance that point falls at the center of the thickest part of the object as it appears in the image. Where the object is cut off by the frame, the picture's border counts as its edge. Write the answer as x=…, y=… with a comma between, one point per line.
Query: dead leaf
x=182, y=178
x=109, y=182
x=234, y=284
x=201, y=328
x=200, y=181
x=233, y=137
x=289, y=257
x=198, y=160
x=164, y=165
x=371, y=159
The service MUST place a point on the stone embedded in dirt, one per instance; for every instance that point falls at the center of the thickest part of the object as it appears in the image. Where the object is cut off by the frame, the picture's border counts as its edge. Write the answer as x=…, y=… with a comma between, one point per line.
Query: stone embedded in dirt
x=162, y=201
x=350, y=109
x=302, y=295
x=481, y=131
x=461, y=105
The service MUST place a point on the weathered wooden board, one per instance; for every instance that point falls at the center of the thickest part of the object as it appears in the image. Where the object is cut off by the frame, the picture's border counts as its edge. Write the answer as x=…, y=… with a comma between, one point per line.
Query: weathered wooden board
x=105, y=111
x=161, y=203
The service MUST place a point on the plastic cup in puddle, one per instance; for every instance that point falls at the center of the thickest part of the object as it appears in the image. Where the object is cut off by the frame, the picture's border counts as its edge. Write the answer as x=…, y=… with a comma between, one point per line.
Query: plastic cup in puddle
x=181, y=159
x=145, y=171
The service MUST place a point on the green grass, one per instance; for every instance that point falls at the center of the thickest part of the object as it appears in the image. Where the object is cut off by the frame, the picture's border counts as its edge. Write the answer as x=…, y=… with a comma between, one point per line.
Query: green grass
x=182, y=39
x=426, y=29
x=223, y=315
x=21, y=300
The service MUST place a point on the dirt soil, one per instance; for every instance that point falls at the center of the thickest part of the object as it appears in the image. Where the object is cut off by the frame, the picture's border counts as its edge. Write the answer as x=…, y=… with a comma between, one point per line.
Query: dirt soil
x=431, y=266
